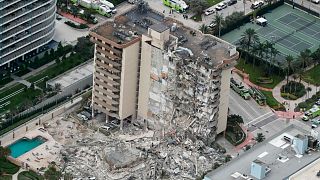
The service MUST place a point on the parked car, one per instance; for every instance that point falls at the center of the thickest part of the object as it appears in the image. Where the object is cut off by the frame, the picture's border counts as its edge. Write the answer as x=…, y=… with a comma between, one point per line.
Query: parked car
x=313, y=126
x=209, y=11
x=131, y=1
x=221, y=6
x=231, y=2
x=257, y=4
x=212, y=25
x=315, y=1
x=318, y=103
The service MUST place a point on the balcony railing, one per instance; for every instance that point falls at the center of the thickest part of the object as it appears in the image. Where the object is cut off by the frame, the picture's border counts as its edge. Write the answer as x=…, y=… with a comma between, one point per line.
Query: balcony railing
x=30, y=9
x=6, y=3
x=19, y=6
x=27, y=41
x=26, y=34
x=24, y=50
x=36, y=15
x=31, y=26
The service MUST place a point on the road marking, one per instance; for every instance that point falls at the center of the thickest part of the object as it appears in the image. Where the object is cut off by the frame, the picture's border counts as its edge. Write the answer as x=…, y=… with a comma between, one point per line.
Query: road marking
x=241, y=107
x=260, y=117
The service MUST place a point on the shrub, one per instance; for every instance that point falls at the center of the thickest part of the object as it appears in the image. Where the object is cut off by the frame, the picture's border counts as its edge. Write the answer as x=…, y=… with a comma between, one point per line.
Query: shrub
x=295, y=89
x=80, y=26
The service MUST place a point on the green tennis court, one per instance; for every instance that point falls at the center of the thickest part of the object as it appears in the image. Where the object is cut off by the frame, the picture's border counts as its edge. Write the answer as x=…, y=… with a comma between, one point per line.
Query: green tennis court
x=292, y=31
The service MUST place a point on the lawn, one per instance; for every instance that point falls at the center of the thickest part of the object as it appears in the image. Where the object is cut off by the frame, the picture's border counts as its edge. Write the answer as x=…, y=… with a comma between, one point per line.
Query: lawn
x=7, y=167
x=29, y=175
x=5, y=177
x=256, y=72
x=9, y=90
x=213, y=2
x=313, y=75
x=272, y=102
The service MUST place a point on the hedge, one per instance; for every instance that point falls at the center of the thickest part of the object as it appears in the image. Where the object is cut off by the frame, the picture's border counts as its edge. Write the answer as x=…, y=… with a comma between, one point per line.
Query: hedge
x=29, y=175
x=81, y=26
x=245, y=19
x=7, y=167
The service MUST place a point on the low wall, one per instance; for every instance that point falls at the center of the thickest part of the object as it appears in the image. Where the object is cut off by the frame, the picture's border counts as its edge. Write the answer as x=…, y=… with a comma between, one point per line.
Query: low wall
x=36, y=122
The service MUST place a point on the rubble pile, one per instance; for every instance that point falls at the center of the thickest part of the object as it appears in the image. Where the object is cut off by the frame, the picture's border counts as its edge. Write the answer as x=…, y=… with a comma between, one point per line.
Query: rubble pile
x=131, y=154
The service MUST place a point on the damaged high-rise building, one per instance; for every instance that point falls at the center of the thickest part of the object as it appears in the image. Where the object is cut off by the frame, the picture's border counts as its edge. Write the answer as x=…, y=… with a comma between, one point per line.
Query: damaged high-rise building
x=153, y=69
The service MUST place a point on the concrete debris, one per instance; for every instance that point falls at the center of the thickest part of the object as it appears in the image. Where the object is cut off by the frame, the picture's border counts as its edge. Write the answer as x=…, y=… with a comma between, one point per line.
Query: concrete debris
x=132, y=153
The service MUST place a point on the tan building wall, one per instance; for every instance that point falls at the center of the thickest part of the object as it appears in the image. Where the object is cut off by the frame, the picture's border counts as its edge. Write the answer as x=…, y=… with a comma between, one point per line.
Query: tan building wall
x=224, y=100
x=144, y=85
x=129, y=75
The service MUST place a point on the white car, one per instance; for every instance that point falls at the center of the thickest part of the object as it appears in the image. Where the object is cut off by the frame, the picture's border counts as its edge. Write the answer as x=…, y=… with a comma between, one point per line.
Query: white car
x=315, y=1
x=209, y=11
x=257, y=4
x=221, y=6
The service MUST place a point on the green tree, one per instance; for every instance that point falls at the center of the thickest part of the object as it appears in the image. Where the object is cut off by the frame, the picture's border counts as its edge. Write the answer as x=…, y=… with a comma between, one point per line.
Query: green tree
x=308, y=89
x=260, y=137
x=219, y=22
x=204, y=29
x=248, y=38
x=4, y=152
x=52, y=173
x=198, y=6
x=227, y=158
x=305, y=58
x=289, y=60
x=316, y=56
x=234, y=118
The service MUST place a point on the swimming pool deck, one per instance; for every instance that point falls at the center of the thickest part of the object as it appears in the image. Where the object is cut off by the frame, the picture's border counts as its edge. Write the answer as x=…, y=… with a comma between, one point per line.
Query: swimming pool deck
x=40, y=156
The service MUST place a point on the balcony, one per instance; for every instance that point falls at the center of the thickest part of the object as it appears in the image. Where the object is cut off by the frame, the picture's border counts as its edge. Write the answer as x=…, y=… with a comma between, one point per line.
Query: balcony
x=26, y=34
x=36, y=23
x=102, y=65
x=109, y=48
x=107, y=53
x=27, y=41
x=6, y=3
x=26, y=49
x=108, y=106
x=97, y=88
x=106, y=79
x=35, y=16
x=18, y=6
x=31, y=9
x=107, y=86
x=107, y=74
x=109, y=101
x=114, y=63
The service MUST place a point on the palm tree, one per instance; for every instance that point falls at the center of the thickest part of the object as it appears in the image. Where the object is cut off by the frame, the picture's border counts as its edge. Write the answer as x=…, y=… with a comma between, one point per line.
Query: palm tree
x=316, y=56
x=274, y=52
x=260, y=137
x=268, y=46
x=219, y=21
x=254, y=51
x=260, y=49
x=289, y=60
x=305, y=58
x=308, y=89
x=4, y=152
x=248, y=38
x=204, y=29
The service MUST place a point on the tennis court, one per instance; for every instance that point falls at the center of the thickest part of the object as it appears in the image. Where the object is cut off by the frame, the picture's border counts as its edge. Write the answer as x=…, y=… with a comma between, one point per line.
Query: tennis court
x=292, y=31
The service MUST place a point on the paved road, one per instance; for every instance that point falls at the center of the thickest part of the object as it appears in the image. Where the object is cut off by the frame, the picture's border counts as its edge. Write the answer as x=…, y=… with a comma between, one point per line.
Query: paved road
x=309, y=5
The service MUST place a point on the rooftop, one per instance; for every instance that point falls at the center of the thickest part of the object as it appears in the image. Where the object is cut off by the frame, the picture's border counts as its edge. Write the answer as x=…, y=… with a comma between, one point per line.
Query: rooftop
x=131, y=25
x=73, y=76
x=308, y=172
x=275, y=152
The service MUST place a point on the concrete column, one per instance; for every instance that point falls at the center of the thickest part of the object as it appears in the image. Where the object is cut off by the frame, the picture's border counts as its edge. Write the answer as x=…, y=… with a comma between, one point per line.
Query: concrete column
x=107, y=118
x=121, y=124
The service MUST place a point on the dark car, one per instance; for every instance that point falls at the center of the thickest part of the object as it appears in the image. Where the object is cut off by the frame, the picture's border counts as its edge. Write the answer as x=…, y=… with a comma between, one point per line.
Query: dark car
x=231, y=2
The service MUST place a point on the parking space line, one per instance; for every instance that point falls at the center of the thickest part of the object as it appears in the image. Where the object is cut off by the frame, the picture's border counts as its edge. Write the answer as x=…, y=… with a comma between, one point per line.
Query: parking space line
x=260, y=118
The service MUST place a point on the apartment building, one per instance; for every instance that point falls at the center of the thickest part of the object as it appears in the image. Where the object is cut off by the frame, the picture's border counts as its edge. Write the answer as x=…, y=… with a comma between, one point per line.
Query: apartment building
x=155, y=70
x=25, y=26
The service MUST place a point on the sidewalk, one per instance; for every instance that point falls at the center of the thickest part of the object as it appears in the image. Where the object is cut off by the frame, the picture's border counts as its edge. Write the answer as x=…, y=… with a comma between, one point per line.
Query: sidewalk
x=249, y=139
x=72, y=17
x=291, y=104
x=246, y=80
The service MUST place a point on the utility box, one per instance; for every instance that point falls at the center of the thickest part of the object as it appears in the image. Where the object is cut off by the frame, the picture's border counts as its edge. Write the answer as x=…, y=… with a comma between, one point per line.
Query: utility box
x=300, y=144
x=258, y=169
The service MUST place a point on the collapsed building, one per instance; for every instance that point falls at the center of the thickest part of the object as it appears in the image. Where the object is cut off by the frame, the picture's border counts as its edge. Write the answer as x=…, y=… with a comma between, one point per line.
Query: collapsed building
x=155, y=71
